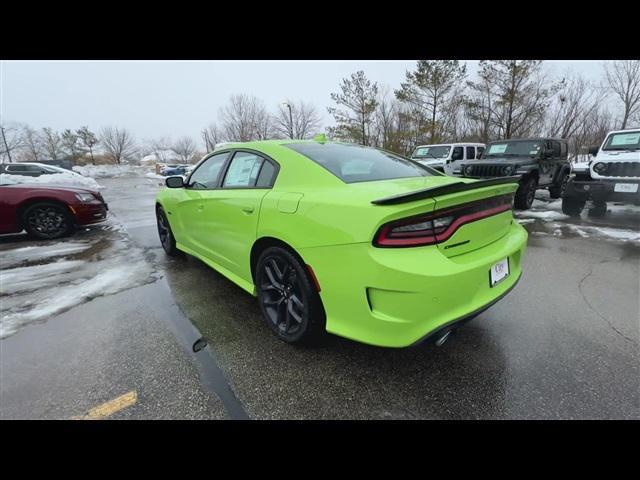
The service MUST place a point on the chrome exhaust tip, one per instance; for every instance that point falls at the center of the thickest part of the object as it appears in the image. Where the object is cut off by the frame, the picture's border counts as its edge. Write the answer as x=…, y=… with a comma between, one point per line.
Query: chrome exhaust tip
x=440, y=341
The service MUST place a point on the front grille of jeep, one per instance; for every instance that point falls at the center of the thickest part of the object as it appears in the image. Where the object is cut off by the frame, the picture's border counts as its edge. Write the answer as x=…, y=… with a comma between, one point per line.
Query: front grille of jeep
x=484, y=171
x=622, y=169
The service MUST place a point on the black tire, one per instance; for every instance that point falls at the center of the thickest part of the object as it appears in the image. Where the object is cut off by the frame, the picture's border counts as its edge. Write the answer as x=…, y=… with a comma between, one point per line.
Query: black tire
x=167, y=240
x=598, y=210
x=288, y=297
x=572, y=206
x=526, y=193
x=47, y=220
x=558, y=190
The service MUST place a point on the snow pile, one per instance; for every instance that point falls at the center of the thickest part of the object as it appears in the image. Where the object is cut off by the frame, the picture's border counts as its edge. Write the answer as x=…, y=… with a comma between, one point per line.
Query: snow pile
x=64, y=179
x=110, y=171
x=78, y=271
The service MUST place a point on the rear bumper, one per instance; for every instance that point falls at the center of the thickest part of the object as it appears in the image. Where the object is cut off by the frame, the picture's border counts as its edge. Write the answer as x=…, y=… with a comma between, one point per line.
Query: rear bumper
x=601, y=190
x=395, y=297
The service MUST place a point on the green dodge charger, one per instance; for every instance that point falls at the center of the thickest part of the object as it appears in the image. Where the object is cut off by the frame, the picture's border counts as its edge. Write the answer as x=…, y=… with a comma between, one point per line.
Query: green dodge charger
x=346, y=239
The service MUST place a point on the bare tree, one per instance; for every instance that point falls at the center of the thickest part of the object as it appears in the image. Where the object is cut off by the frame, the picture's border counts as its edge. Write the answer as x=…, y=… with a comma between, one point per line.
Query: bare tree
x=161, y=148
x=89, y=140
x=33, y=144
x=263, y=123
x=623, y=78
x=211, y=136
x=52, y=143
x=571, y=108
x=118, y=143
x=185, y=148
x=591, y=132
x=518, y=92
x=478, y=110
x=245, y=118
x=297, y=119
x=11, y=141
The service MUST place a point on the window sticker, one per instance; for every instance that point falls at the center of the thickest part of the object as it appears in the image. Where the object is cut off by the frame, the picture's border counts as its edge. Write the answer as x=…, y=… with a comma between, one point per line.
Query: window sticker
x=500, y=148
x=242, y=171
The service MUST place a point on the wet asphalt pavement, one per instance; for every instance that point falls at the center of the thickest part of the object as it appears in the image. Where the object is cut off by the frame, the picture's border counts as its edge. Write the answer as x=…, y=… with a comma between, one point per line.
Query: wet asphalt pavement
x=562, y=345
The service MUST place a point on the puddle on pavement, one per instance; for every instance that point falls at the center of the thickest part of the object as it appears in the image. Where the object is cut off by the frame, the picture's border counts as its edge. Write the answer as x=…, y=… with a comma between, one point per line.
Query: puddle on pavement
x=42, y=279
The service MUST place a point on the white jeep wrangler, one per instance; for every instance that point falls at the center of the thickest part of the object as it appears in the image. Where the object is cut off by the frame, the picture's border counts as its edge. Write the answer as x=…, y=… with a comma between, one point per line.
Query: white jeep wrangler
x=613, y=174
x=446, y=157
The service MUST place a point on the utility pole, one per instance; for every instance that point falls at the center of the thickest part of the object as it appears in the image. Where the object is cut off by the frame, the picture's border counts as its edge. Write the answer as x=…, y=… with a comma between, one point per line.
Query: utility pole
x=290, y=121
x=6, y=147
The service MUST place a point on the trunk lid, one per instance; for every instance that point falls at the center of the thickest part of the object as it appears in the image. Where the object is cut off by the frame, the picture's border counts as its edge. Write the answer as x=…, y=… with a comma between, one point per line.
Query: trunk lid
x=478, y=233
x=471, y=197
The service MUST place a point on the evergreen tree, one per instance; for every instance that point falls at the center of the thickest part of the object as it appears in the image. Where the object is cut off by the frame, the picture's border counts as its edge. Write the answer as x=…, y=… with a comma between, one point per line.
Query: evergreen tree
x=359, y=96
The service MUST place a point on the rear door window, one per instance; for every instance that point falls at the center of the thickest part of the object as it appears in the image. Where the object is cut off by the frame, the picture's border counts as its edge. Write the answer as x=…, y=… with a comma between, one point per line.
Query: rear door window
x=471, y=153
x=243, y=170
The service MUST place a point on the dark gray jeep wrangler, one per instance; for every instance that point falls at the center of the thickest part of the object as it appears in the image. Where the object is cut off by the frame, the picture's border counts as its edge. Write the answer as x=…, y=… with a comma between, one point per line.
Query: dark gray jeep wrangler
x=539, y=162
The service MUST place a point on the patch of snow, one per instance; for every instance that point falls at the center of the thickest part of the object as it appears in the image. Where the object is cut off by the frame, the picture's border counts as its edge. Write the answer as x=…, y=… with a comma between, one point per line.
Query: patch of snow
x=34, y=254
x=154, y=176
x=607, y=232
x=547, y=216
x=63, y=179
x=524, y=221
x=110, y=171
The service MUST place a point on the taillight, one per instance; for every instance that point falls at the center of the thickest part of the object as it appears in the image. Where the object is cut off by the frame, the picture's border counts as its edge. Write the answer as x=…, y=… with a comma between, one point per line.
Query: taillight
x=438, y=226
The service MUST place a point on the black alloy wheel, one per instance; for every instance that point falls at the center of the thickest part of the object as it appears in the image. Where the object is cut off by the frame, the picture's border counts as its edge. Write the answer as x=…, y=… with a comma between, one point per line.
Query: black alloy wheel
x=288, y=298
x=166, y=235
x=47, y=221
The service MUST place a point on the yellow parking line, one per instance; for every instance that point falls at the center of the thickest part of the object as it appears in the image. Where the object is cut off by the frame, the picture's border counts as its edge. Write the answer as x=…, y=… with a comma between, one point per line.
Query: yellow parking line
x=109, y=408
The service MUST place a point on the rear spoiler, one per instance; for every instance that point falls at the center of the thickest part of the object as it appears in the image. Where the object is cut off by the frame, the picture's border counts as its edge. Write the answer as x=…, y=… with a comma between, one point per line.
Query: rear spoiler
x=444, y=190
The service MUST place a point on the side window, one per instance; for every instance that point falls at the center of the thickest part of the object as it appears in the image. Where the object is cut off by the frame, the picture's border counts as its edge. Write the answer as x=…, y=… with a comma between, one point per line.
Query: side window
x=206, y=175
x=243, y=170
x=556, y=148
x=16, y=168
x=471, y=153
x=479, y=152
x=563, y=150
x=265, y=179
x=457, y=154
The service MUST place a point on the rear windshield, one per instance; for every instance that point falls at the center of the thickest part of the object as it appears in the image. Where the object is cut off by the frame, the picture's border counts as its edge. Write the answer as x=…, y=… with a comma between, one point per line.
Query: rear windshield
x=623, y=141
x=355, y=163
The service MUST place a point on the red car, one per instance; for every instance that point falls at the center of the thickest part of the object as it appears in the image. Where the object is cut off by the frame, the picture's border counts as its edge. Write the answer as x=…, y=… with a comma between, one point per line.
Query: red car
x=48, y=212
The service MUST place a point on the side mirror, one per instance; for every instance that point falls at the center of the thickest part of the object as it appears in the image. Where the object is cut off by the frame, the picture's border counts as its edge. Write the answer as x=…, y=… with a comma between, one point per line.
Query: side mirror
x=174, y=182
x=594, y=150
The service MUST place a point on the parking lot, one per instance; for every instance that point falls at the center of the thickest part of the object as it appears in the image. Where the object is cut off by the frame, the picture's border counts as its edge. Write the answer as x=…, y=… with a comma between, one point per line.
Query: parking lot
x=102, y=324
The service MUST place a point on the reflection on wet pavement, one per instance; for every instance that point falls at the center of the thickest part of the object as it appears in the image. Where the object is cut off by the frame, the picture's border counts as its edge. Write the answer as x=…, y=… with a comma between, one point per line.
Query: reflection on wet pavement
x=43, y=278
x=545, y=218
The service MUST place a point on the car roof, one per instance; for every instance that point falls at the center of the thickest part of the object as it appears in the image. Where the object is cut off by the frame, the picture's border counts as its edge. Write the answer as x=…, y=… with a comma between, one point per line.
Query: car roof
x=474, y=144
x=531, y=139
x=627, y=130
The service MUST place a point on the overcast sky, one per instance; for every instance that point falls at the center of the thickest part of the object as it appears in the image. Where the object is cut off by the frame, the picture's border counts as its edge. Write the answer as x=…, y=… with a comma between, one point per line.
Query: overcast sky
x=158, y=98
